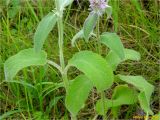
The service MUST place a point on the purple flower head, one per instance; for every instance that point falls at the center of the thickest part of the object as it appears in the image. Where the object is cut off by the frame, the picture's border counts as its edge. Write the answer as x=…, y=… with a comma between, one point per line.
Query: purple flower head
x=98, y=6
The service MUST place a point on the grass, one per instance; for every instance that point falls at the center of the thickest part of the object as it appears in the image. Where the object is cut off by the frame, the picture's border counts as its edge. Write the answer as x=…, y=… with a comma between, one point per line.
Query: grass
x=33, y=94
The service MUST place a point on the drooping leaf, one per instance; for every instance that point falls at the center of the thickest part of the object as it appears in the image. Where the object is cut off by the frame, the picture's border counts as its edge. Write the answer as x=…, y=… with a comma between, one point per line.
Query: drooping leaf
x=89, y=24
x=145, y=88
x=80, y=34
x=114, y=59
x=123, y=95
x=43, y=29
x=24, y=58
x=77, y=94
x=94, y=67
x=113, y=41
x=109, y=11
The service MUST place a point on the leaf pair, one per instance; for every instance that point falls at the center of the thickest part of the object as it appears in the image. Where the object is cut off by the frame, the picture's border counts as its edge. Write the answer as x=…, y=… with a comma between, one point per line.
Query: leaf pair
x=31, y=56
x=94, y=67
x=88, y=27
x=145, y=89
x=97, y=72
x=117, y=53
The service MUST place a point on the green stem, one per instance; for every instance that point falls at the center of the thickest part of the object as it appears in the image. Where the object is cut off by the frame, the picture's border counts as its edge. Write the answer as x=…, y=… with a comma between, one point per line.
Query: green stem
x=147, y=116
x=98, y=37
x=103, y=103
x=60, y=43
x=73, y=117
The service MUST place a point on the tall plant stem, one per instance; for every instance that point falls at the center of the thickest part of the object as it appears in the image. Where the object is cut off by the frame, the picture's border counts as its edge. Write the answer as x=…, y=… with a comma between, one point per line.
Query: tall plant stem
x=60, y=43
x=73, y=118
x=98, y=37
x=99, y=51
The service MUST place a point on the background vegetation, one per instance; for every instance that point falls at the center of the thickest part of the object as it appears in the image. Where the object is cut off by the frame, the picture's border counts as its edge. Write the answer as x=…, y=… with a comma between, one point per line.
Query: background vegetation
x=137, y=23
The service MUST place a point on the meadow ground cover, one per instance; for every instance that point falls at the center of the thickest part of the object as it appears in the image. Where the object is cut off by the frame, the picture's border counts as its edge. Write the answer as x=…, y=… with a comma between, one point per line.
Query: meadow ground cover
x=76, y=60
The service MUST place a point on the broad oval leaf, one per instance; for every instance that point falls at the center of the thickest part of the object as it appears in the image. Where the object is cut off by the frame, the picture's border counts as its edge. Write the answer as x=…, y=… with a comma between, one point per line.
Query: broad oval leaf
x=114, y=59
x=24, y=58
x=43, y=29
x=90, y=24
x=94, y=67
x=77, y=94
x=113, y=41
x=122, y=95
x=145, y=88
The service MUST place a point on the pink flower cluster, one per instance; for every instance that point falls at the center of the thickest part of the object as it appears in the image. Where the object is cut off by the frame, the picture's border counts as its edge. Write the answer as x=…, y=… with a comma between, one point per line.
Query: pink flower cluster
x=98, y=6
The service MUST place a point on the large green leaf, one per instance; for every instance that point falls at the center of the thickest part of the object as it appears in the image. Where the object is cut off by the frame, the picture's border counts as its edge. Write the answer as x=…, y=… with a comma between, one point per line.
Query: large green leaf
x=145, y=88
x=95, y=68
x=24, y=58
x=43, y=29
x=89, y=24
x=114, y=59
x=123, y=95
x=77, y=94
x=113, y=41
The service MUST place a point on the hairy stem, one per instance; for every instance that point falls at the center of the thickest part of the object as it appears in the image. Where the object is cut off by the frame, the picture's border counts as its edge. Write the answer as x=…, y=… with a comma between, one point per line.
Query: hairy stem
x=60, y=43
x=98, y=37
x=73, y=118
